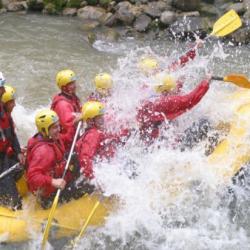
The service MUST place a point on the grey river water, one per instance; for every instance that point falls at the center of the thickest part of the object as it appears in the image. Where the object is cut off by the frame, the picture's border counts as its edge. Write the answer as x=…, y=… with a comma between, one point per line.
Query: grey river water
x=33, y=48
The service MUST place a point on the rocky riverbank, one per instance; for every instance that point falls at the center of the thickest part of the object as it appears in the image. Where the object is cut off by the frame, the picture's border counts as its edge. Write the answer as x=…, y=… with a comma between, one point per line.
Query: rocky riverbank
x=176, y=19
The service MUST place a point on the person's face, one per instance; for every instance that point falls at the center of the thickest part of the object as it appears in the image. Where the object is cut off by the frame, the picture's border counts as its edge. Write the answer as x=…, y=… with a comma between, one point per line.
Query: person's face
x=2, y=90
x=70, y=88
x=9, y=106
x=54, y=131
x=98, y=122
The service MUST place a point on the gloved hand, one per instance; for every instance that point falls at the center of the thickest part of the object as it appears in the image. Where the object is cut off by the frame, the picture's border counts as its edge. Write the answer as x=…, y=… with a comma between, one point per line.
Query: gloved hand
x=78, y=117
x=21, y=158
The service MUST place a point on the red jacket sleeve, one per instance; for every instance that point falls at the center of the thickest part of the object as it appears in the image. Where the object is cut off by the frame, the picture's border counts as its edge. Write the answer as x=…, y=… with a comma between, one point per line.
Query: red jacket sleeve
x=183, y=60
x=86, y=148
x=173, y=106
x=38, y=173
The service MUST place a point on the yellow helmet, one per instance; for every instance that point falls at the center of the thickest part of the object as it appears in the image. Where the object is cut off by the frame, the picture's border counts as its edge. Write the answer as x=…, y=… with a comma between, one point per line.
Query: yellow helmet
x=64, y=77
x=44, y=119
x=148, y=64
x=103, y=81
x=167, y=83
x=92, y=109
x=9, y=94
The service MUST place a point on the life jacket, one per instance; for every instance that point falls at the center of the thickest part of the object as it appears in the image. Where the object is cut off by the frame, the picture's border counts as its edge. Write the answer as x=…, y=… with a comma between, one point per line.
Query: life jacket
x=72, y=100
x=7, y=132
x=36, y=141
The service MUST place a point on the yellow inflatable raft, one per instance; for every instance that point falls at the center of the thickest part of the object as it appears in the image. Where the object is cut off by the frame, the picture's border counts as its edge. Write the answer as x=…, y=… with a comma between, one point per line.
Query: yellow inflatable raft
x=226, y=160
x=22, y=225
x=234, y=152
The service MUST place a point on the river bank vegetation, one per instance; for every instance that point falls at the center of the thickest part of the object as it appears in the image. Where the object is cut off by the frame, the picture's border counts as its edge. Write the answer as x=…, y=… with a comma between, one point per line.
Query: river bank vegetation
x=175, y=19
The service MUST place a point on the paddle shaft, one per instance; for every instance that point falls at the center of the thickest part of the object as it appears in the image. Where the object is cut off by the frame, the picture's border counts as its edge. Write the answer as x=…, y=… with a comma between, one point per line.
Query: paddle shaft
x=237, y=79
x=217, y=78
x=56, y=199
x=9, y=170
x=86, y=224
x=72, y=149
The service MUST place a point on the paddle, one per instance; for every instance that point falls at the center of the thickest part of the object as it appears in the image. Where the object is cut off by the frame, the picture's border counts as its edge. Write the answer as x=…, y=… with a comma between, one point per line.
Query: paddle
x=56, y=199
x=9, y=170
x=76, y=240
x=238, y=79
x=226, y=24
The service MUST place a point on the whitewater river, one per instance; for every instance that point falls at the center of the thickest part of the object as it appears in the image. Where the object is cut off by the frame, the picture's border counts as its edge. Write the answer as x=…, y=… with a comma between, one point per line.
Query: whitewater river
x=34, y=48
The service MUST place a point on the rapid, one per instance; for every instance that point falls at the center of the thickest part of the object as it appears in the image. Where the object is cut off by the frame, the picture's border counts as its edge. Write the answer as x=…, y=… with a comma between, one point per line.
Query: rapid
x=168, y=199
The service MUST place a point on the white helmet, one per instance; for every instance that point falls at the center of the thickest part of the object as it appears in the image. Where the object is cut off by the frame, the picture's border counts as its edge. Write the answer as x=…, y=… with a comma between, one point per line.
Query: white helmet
x=2, y=80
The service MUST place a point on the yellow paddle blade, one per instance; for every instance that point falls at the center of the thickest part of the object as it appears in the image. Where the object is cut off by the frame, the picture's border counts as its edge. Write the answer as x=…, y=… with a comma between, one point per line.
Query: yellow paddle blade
x=50, y=218
x=238, y=79
x=226, y=24
x=86, y=224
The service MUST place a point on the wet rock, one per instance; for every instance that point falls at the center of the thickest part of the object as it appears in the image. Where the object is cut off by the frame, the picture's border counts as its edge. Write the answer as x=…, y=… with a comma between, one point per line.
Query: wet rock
x=186, y=5
x=154, y=9
x=2, y=11
x=142, y=23
x=124, y=12
x=17, y=6
x=240, y=8
x=5, y=3
x=92, y=13
x=112, y=4
x=247, y=15
x=49, y=9
x=111, y=35
x=89, y=25
x=106, y=34
x=241, y=36
x=247, y=4
x=189, y=27
x=189, y=13
x=168, y=17
x=208, y=10
x=69, y=12
x=91, y=37
x=35, y=5
x=110, y=19
x=83, y=4
x=137, y=10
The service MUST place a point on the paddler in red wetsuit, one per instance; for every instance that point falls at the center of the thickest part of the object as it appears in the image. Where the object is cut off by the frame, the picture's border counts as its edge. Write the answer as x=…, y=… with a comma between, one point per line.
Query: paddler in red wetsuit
x=67, y=105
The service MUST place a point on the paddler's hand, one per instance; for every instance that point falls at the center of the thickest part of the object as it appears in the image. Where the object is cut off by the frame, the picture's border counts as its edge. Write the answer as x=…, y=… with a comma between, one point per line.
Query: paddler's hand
x=21, y=158
x=208, y=77
x=78, y=117
x=58, y=183
x=198, y=43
